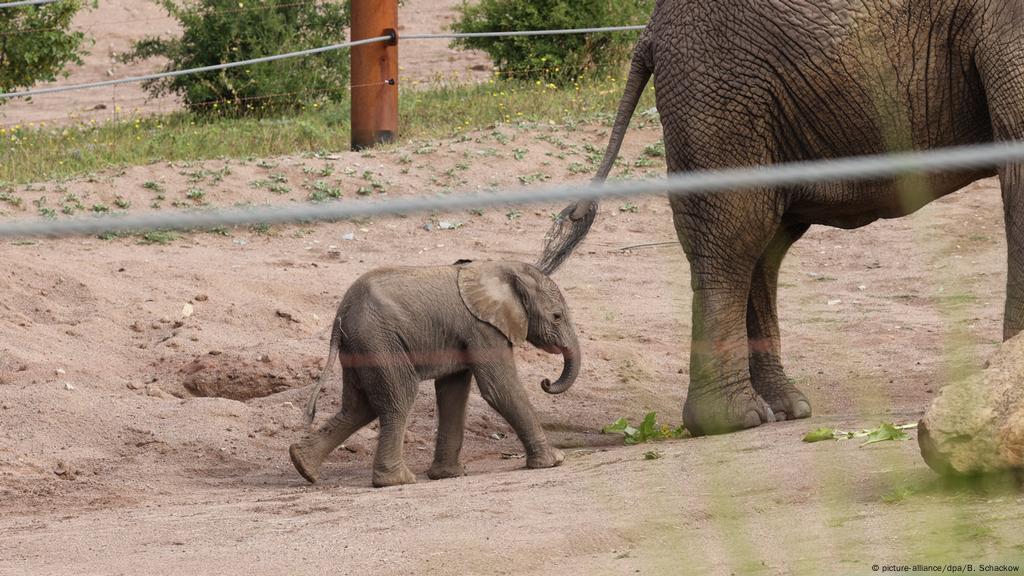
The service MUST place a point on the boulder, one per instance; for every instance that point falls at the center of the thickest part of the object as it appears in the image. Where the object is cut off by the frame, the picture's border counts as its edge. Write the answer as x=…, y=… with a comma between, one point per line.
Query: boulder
x=976, y=426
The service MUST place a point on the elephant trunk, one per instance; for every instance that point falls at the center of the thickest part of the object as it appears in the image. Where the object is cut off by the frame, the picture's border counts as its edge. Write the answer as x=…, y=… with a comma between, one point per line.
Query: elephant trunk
x=570, y=369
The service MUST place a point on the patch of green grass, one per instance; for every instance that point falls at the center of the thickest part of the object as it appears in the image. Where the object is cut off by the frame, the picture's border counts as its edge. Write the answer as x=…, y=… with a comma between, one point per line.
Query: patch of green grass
x=897, y=495
x=160, y=237
x=52, y=153
x=154, y=186
x=9, y=198
x=656, y=150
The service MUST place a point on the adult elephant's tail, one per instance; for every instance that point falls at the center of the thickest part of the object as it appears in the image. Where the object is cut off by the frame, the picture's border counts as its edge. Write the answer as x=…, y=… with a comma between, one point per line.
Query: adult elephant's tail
x=573, y=223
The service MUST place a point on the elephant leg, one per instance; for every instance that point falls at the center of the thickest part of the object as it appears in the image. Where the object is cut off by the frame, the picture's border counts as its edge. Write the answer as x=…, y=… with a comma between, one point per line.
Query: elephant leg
x=765, y=344
x=723, y=237
x=452, y=395
x=308, y=454
x=500, y=387
x=391, y=391
x=1012, y=180
x=1004, y=93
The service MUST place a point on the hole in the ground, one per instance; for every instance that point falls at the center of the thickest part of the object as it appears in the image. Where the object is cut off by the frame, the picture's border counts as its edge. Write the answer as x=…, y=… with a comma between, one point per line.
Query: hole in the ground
x=240, y=377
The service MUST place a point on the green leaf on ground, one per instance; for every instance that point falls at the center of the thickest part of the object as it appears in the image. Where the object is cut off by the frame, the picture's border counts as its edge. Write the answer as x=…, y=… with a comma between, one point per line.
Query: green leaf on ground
x=648, y=431
x=820, y=435
x=886, y=431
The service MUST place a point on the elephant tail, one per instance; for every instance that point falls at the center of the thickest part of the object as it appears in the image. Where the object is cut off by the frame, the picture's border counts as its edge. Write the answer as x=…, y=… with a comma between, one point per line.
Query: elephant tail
x=332, y=359
x=573, y=223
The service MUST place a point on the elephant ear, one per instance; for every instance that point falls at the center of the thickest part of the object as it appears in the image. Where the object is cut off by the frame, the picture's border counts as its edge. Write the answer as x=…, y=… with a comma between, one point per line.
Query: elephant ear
x=487, y=291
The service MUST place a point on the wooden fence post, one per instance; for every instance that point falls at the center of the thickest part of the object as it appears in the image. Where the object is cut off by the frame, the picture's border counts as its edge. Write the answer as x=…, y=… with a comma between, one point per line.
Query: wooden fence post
x=374, y=74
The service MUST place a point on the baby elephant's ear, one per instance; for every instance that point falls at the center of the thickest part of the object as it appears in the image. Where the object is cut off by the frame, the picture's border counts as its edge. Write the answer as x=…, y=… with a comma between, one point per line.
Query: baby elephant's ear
x=487, y=290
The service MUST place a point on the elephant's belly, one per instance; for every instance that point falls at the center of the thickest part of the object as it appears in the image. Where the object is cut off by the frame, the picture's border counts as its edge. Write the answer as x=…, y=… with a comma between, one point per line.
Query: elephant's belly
x=852, y=205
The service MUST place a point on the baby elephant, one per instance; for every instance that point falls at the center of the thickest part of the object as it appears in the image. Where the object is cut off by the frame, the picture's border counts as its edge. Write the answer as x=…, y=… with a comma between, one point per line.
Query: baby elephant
x=396, y=327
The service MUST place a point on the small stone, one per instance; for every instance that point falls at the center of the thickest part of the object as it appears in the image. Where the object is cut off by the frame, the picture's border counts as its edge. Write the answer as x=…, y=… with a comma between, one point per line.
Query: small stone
x=214, y=352
x=65, y=470
x=156, y=392
x=348, y=236
x=187, y=310
x=835, y=302
x=68, y=386
x=60, y=371
x=201, y=298
x=287, y=316
x=133, y=386
x=165, y=320
x=265, y=358
x=136, y=327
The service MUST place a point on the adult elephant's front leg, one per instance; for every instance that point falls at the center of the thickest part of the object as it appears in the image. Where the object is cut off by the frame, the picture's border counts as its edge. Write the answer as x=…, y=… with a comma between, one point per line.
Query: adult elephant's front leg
x=765, y=343
x=723, y=238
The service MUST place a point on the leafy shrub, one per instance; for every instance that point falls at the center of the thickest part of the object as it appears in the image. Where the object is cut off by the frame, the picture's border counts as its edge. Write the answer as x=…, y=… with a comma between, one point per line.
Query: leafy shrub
x=36, y=44
x=220, y=31
x=553, y=57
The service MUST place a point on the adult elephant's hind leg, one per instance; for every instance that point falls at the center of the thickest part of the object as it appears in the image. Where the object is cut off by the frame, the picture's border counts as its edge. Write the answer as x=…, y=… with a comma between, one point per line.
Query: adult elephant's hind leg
x=452, y=395
x=999, y=58
x=723, y=236
x=765, y=343
x=308, y=454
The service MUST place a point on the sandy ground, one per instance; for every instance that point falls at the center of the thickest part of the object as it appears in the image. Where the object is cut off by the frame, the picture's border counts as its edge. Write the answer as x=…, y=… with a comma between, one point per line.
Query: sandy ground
x=114, y=25
x=109, y=464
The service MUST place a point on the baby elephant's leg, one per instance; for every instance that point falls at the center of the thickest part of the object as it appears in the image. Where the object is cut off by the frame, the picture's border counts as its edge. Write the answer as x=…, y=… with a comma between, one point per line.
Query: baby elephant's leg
x=391, y=393
x=309, y=454
x=500, y=387
x=452, y=395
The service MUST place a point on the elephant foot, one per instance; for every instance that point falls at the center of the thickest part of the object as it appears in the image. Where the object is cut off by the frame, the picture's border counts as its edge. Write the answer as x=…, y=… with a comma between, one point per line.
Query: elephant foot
x=439, y=471
x=397, y=477
x=786, y=400
x=302, y=463
x=548, y=458
x=721, y=412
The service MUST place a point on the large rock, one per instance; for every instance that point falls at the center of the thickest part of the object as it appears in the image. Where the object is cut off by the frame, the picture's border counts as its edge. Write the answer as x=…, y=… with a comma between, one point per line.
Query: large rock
x=977, y=426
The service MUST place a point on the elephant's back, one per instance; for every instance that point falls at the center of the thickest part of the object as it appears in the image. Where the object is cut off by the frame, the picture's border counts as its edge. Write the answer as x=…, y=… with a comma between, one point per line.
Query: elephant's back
x=399, y=294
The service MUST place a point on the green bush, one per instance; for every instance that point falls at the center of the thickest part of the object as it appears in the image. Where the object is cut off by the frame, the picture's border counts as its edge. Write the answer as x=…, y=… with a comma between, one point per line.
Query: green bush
x=553, y=57
x=220, y=31
x=35, y=44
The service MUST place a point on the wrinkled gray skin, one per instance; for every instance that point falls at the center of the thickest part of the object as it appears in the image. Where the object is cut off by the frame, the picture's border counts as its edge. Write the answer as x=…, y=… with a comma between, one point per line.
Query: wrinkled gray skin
x=396, y=327
x=752, y=82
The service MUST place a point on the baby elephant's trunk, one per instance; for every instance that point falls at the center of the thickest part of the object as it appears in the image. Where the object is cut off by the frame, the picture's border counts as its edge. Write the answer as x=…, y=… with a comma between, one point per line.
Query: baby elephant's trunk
x=570, y=369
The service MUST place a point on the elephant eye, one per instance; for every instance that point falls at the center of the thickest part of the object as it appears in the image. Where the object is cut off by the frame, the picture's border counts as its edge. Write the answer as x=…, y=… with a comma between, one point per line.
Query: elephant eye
x=558, y=315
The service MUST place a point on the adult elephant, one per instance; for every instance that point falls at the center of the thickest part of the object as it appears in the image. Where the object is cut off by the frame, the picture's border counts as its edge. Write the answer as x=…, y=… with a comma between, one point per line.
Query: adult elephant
x=743, y=82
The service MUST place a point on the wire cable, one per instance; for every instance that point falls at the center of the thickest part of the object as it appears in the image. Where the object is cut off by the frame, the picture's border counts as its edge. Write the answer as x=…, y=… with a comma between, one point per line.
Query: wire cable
x=27, y=3
x=758, y=177
x=512, y=33
x=173, y=73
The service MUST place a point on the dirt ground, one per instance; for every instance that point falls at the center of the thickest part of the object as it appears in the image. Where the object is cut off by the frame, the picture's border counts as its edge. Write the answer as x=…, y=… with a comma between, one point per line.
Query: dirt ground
x=110, y=464
x=115, y=24
x=148, y=392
